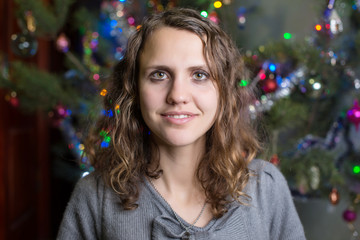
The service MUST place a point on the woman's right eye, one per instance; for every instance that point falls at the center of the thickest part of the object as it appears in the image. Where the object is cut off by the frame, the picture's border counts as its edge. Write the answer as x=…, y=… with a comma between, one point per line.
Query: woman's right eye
x=158, y=75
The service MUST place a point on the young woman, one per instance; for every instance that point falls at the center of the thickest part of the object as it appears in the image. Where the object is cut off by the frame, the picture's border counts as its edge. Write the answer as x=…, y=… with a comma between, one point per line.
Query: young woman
x=181, y=160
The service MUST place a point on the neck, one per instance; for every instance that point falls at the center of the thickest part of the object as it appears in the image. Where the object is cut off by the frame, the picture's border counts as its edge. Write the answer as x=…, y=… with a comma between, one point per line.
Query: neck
x=178, y=184
x=179, y=165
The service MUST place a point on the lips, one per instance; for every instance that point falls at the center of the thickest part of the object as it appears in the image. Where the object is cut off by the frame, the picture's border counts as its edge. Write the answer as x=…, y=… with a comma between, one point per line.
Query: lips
x=178, y=117
x=178, y=114
x=182, y=116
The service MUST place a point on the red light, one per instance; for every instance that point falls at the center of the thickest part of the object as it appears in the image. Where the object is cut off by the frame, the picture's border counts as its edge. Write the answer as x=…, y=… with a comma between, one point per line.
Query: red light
x=262, y=76
x=318, y=27
x=327, y=26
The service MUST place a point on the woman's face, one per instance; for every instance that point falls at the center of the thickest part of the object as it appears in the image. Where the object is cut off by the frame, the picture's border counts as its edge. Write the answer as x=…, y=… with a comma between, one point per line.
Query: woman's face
x=178, y=98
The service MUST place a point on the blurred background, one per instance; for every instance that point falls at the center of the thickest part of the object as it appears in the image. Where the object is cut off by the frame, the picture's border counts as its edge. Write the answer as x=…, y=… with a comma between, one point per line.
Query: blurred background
x=55, y=56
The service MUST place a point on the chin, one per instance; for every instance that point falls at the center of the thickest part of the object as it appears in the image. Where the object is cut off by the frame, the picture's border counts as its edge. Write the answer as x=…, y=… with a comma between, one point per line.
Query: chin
x=182, y=141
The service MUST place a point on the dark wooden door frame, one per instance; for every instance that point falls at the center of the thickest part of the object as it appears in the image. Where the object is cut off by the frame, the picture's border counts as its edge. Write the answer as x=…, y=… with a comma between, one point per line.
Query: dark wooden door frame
x=13, y=123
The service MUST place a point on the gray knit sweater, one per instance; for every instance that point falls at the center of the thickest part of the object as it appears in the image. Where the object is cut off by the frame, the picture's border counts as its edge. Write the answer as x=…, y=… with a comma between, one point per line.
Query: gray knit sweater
x=94, y=212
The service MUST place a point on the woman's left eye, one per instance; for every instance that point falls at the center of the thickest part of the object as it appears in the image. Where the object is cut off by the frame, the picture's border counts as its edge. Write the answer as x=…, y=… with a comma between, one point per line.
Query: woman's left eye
x=200, y=76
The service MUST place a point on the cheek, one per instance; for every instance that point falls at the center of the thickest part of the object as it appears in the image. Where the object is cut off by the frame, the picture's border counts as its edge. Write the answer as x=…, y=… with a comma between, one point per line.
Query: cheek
x=214, y=99
x=215, y=105
x=210, y=103
x=147, y=101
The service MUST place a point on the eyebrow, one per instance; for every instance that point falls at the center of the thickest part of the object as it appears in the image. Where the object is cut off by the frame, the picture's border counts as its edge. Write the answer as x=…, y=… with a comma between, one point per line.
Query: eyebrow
x=168, y=69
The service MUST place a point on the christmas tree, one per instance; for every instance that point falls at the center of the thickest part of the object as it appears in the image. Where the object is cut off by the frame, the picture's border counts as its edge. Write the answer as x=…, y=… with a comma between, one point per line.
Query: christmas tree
x=309, y=89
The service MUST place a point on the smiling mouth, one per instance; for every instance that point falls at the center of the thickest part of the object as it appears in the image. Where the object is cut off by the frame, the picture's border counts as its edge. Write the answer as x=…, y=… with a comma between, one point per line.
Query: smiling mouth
x=181, y=116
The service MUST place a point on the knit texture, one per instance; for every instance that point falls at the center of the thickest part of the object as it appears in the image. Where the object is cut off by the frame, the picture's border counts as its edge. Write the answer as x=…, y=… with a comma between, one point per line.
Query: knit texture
x=94, y=212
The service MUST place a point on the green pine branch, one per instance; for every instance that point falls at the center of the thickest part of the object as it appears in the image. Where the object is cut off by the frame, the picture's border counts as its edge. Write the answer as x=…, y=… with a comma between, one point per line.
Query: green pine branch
x=49, y=19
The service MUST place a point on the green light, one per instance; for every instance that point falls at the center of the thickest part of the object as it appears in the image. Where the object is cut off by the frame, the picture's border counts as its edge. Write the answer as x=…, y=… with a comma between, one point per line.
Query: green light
x=243, y=83
x=356, y=169
x=204, y=14
x=103, y=133
x=287, y=36
x=107, y=139
x=87, y=51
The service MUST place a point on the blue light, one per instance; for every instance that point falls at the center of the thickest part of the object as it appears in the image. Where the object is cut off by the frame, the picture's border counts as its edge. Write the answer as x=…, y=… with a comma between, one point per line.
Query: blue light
x=110, y=113
x=272, y=67
x=354, y=7
x=107, y=113
x=113, y=23
x=122, y=0
x=104, y=144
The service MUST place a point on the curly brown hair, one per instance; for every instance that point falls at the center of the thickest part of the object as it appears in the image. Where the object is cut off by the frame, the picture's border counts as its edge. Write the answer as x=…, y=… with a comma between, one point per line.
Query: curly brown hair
x=231, y=143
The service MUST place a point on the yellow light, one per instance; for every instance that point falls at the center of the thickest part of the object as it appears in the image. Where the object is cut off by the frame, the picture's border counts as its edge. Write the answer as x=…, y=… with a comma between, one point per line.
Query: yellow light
x=318, y=27
x=160, y=7
x=103, y=92
x=81, y=147
x=217, y=4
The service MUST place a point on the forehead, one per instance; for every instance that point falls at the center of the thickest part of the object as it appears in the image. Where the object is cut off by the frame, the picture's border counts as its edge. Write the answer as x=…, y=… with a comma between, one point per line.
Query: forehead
x=167, y=43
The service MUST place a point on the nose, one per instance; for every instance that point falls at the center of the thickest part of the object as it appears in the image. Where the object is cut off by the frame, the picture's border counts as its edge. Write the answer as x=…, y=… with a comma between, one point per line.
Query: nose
x=179, y=92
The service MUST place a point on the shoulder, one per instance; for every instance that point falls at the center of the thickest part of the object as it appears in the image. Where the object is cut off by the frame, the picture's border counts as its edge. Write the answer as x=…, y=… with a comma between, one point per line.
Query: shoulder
x=82, y=216
x=90, y=185
x=264, y=169
x=271, y=197
x=90, y=182
x=266, y=182
x=88, y=195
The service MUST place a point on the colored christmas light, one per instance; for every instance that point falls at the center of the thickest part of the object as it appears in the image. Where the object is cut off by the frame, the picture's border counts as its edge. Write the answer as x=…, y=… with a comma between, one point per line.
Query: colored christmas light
x=287, y=36
x=262, y=76
x=96, y=77
x=108, y=113
x=318, y=27
x=217, y=4
x=214, y=17
x=317, y=86
x=272, y=67
x=204, y=14
x=131, y=20
x=62, y=43
x=334, y=196
x=353, y=114
x=103, y=92
x=117, y=109
x=103, y=133
x=356, y=169
x=242, y=20
x=104, y=144
x=107, y=139
x=243, y=83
